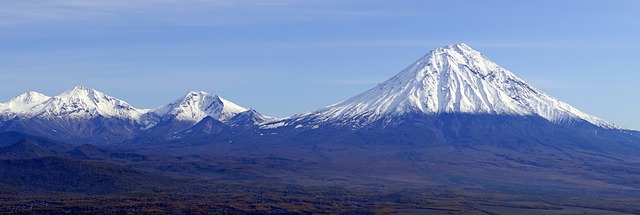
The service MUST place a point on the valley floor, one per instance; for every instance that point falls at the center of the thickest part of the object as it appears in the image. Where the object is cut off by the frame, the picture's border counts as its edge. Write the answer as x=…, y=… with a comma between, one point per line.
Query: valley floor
x=234, y=178
x=266, y=198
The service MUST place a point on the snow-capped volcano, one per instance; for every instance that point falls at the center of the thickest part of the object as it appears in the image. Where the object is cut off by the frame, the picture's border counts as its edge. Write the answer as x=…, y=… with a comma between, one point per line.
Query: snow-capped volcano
x=84, y=102
x=195, y=106
x=451, y=79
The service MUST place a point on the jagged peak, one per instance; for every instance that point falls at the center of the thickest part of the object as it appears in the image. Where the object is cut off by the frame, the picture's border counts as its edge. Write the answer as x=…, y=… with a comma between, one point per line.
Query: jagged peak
x=90, y=96
x=460, y=48
x=199, y=96
x=192, y=94
x=81, y=88
x=199, y=93
x=81, y=91
x=196, y=105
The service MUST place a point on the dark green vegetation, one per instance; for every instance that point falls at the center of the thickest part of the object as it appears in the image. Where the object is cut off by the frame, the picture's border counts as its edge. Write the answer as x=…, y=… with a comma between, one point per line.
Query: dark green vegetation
x=223, y=176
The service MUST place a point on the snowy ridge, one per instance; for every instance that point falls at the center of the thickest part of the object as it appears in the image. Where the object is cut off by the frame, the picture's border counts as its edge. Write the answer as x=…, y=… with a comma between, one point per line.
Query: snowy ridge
x=81, y=102
x=195, y=106
x=451, y=79
x=86, y=103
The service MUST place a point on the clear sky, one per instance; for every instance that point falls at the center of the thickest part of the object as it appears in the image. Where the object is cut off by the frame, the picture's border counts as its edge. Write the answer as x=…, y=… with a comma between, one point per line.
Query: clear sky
x=283, y=57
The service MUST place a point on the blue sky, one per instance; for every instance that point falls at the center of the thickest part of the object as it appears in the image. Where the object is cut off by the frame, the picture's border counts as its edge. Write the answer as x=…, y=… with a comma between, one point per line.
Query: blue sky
x=291, y=56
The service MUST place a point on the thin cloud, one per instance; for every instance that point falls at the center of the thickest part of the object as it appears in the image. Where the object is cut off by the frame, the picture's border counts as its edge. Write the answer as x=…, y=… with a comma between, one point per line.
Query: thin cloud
x=178, y=12
x=34, y=11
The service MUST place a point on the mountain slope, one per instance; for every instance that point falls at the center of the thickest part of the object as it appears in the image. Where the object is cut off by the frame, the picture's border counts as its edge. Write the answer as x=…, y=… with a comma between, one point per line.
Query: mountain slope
x=24, y=149
x=12, y=137
x=451, y=79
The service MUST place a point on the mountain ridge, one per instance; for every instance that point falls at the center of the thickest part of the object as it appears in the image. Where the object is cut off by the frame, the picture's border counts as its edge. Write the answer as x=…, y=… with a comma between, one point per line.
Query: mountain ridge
x=86, y=114
x=87, y=102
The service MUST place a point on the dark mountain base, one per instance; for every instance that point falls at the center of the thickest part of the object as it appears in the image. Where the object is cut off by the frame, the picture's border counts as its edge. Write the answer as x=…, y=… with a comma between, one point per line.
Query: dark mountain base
x=519, y=133
x=98, y=130
x=377, y=170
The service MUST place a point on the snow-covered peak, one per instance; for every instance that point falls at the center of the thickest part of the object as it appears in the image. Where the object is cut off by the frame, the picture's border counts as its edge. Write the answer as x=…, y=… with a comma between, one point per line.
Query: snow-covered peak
x=85, y=102
x=250, y=117
x=78, y=91
x=452, y=79
x=24, y=102
x=196, y=105
x=460, y=48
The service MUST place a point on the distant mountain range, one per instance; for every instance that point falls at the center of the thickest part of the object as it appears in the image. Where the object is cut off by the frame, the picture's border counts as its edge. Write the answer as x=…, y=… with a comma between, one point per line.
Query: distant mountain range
x=84, y=114
x=452, y=83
